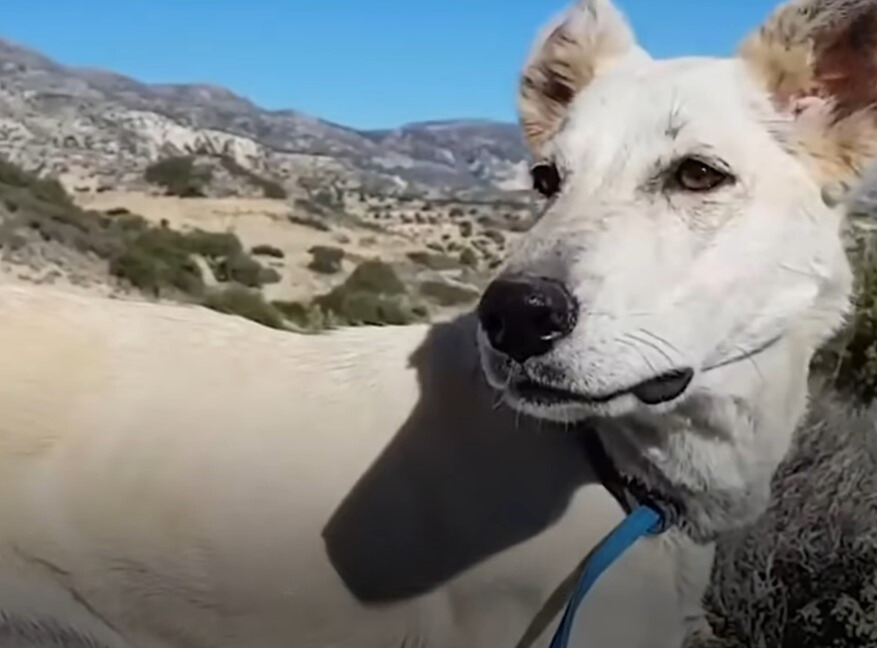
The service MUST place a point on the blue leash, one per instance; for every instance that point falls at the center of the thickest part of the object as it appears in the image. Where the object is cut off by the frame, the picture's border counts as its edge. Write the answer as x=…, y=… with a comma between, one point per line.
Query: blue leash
x=643, y=521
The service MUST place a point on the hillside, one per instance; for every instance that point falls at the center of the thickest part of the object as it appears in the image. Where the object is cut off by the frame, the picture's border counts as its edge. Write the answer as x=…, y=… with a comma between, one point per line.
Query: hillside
x=101, y=129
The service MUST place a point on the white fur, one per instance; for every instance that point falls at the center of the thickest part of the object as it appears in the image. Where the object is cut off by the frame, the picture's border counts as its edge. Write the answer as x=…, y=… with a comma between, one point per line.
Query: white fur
x=169, y=472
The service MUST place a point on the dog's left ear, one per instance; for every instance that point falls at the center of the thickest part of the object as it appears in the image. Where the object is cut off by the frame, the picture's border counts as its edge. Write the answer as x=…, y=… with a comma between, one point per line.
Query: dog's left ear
x=588, y=38
x=818, y=61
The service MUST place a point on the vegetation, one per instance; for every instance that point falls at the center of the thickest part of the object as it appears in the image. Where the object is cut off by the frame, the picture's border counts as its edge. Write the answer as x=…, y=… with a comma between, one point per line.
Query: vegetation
x=309, y=221
x=44, y=190
x=375, y=276
x=849, y=361
x=326, y=259
x=805, y=574
x=157, y=260
x=298, y=313
x=268, y=251
x=180, y=176
x=185, y=177
x=469, y=258
x=243, y=269
x=372, y=294
x=240, y=301
x=269, y=188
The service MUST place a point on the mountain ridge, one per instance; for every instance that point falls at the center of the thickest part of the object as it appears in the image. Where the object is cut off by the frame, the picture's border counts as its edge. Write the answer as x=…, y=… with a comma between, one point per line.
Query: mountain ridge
x=85, y=121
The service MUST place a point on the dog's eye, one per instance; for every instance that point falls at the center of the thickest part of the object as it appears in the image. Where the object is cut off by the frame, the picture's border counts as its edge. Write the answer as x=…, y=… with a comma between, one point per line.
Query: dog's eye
x=695, y=175
x=546, y=178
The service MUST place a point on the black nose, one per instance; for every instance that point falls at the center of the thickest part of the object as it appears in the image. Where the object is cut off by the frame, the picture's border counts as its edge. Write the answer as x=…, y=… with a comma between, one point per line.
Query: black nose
x=524, y=316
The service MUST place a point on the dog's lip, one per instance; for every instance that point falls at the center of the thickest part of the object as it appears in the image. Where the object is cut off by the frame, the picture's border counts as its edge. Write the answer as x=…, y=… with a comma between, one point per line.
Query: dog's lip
x=654, y=391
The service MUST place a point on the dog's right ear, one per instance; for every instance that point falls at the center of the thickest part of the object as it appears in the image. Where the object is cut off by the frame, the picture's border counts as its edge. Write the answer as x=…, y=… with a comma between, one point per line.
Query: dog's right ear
x=567, y=55
x=817, y=61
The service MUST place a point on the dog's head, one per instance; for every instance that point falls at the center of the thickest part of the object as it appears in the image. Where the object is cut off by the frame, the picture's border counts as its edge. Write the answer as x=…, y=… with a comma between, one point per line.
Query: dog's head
x=691, y=221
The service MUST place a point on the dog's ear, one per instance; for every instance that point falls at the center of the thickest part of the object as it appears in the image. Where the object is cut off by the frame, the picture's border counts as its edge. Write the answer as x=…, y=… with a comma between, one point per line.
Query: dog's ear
x=818, y=61
x=566, y=56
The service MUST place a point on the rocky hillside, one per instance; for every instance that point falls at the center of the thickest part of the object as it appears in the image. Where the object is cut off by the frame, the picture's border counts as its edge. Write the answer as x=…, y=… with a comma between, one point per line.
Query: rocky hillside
x=98, y=129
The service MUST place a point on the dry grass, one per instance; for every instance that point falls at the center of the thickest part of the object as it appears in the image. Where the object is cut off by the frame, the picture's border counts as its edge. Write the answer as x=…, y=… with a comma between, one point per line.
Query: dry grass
x=805, y=576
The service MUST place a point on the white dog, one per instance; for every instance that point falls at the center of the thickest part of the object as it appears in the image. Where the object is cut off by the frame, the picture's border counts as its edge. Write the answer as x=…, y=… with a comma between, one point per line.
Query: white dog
x=178, y=478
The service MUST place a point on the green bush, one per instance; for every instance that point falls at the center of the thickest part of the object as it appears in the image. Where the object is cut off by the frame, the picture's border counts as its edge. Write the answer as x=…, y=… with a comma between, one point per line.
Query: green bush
x=326, y=259
x=374, y=295
x=270, y=188
x=358, y=307
x=311, y=222
x=849, y=360
x=156, y=260
x=236, y=300
x=245, y=270
x=179, y=176
x=469, y=258
x=153, y=261
x=211, y=245
x=268, y=250
x=48, y=190
x=14, y=176
x=495, y=236
x=295, y=312
x=377, y=277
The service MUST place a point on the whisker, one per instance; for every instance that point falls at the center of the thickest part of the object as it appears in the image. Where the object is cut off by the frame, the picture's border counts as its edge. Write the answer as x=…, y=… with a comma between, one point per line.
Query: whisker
x=661, y=340
x=653, y=346
x=752, y=360
x=639, y=352
x=804, y=273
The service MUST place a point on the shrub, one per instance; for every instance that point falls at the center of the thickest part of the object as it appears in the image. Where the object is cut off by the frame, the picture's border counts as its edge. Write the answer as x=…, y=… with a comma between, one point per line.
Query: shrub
x=269, y=188
x=309, y=221
x=357, y=307
x=236, y=300
x=179, y=176
x=211, y=245
x=495, y=236
x=14, y=176
x=153, y=262
x=243, y=269
x=268, y=250
x=295, y=312
x=326, y=259
x=469, y=258
x=849, y=360
x=377, y=277
x=47, y=190
x=373, y=294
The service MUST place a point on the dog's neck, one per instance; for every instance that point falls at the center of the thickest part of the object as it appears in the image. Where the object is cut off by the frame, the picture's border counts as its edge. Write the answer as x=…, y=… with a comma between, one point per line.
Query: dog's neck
x=715, y=454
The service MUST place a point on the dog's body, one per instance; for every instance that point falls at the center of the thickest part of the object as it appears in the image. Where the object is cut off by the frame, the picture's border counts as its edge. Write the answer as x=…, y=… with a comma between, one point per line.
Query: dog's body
x=172, y=477
x=177, y=479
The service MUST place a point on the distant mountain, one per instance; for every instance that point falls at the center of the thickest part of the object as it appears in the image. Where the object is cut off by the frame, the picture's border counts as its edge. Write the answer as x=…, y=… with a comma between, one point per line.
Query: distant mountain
x=103, y=128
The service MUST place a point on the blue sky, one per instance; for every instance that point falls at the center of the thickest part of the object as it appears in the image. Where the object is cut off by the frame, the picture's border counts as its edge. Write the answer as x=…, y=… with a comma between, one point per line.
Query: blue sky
x=367, y=64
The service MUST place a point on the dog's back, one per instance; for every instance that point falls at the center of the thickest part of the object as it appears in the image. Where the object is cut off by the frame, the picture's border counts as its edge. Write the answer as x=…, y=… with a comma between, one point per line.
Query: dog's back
x=173, y=477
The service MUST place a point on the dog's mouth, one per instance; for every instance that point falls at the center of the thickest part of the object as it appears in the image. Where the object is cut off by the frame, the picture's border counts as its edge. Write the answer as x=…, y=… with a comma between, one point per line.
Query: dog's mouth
x=658, y=390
